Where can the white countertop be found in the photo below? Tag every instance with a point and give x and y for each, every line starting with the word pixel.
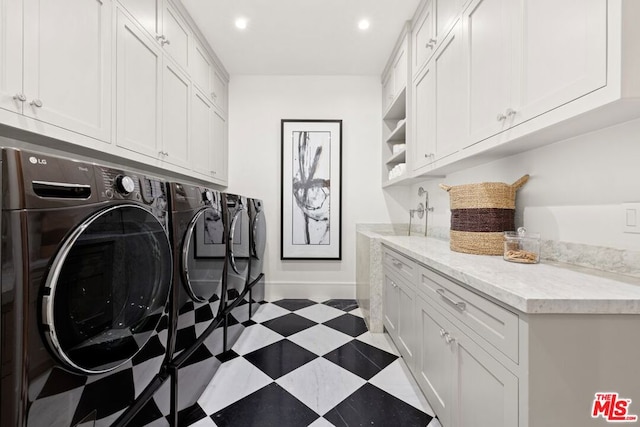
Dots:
pixel 529 288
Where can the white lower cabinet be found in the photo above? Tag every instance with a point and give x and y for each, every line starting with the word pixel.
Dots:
pixel 461 375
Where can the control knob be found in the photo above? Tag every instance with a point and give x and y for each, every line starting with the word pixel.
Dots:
pixel 124 184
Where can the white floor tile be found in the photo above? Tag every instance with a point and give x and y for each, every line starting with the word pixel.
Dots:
pixel 205 422
pixel 434 423
pixel 267 312
pixel 357 312
pixel 320 339
pixel 255 337
pixel 319 312
pixel 320 384
pixel 382 341
pixel 321 422
pixel 396 380
pixel 233 381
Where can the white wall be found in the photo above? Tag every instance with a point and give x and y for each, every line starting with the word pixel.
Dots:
pixel 575 191
pixel 256 106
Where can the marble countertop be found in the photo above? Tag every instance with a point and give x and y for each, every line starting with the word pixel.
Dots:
pixel 530 288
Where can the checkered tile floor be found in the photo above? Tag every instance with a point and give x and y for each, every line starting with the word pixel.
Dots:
pixel 304 363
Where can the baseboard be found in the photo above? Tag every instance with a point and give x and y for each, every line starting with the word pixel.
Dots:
pixel 316 291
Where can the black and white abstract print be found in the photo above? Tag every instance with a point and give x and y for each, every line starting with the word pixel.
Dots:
pixel 311 186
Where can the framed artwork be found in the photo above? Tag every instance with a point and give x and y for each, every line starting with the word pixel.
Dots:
pixel 311 194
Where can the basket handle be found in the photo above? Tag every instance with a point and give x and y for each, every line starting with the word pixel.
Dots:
pixel 519 183
pixel 446 187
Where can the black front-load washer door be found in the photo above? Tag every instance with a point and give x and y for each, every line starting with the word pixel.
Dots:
pixel 106 289
pixel 202 258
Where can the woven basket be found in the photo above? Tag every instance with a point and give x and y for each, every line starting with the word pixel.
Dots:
pixel 480 213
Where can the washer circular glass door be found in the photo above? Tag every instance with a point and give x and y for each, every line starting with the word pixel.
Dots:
pixel 107 289
pixel 202 260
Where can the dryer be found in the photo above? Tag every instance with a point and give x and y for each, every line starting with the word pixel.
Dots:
pixel 86 270
pixel 258 241
pixel 198 236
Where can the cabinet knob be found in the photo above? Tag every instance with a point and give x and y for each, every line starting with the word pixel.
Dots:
pixel 511 112
pixel 442 332
pixel 36 103
pixel 213 172
pixel 165 41
pixel 20 97
pixel 501 117
pixel 431 43
pixel 448 338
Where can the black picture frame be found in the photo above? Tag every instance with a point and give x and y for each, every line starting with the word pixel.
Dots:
pixel 311 189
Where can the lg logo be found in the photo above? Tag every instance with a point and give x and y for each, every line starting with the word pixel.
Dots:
pixel 37 161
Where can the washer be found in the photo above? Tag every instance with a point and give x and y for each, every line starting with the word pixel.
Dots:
pixel 199 245
pixel 258 241
pixel 237 266
pixel 86 275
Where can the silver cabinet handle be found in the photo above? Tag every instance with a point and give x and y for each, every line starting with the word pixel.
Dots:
pixel 459 305
pixel 431 43
pixel 163 153
pixel 394 284
pixel 20 97
pixel 212 172
pixel 500 117
pixel 166 41
pixel 442 332
pixel 511 112
pixel 448 338
pixel 36 103
pixel 214 96
pixel 160 38
pixel 396 264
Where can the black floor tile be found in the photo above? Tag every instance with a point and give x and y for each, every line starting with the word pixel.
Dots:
pixel 294 304
pixel 227 356
pixel 60 381
pixel 118 387
pixel 190 415
pixel 280 358
pixel 271 406
pixel 204 314
pixel 201 353
pixel 360 358
pixel 348 324
pixel 289 324
pixel 371 406
pixel 342 304
pixel 185 337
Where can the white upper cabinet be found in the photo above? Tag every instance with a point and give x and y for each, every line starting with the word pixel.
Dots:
pixel 220 90
pixel 138 89
pixel 529 57
pixel 55 67
pixel 564 53
pixel 202 133
pixel 175 115
pixel 423 37
pixel 11 55
pixel 160 19
pixel 489 36
pixel 220 148
pixel 201 69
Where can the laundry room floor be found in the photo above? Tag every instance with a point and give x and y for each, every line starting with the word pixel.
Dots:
pixel 303 363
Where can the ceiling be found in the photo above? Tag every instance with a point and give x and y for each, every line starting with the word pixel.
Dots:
pixel 302 37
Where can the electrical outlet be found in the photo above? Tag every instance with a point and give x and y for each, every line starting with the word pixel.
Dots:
pixel 631 218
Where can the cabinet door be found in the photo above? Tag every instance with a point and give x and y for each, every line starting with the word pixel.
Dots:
pixel 220 89
pixel 177 36
pixel 406 323
pixel 445 14
pixel 67 64
pixel 201 69
pixel 487 391
pixel 202 133
pixel 564 53
pixel 387 91
pixel 147 13
pixel 11 55
pixel 424 117
pixel 450 93
pixel 175 115
pixel 488 33
pixel 400 68
pixel 220 147
pixel 424 43
pixel 138 89
pixel 390 307
pixel 434 364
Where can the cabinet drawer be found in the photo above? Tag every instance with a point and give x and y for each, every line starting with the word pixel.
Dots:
pixel 495 324
pixel 400 265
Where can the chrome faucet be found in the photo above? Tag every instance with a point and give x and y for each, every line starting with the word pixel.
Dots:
pixel 422 210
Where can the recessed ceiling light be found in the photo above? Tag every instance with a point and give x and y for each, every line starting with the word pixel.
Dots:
pixel 241 23
pixel 363 24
